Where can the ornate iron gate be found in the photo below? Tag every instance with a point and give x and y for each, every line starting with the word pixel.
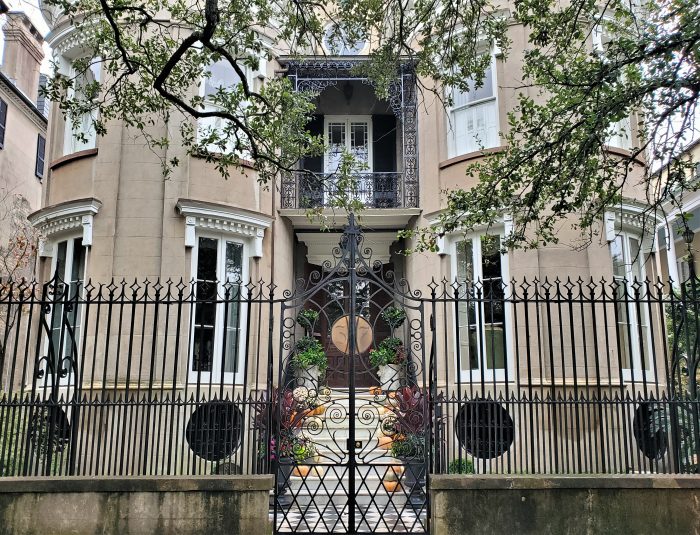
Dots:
pixel 350 418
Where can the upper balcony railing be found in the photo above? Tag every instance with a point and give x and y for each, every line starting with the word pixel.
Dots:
pixel 303 189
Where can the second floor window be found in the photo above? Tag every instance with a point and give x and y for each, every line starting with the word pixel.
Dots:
pixel 216 336
pixel 84 84
pixel 221 78
pixel 472 122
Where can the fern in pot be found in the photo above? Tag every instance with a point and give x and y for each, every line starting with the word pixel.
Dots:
pixel 389 357
pixel 309 362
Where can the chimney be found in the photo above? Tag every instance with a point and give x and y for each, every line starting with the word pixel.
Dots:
pixel 23 53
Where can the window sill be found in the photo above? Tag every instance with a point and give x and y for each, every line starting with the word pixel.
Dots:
pixel 72 157
pixel 217 156
pixel 469 156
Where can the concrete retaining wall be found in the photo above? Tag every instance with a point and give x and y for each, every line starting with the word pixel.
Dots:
pixel 633 504
pixel 135 505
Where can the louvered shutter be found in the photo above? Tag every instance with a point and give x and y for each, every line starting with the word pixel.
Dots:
pixel 3 122
pixel 40 150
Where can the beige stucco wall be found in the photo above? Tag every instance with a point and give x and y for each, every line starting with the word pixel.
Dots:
pixel 18 157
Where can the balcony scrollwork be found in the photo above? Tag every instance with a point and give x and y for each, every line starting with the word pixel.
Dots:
pixel 304 189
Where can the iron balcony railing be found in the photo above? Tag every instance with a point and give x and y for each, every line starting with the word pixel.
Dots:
pixel 304 189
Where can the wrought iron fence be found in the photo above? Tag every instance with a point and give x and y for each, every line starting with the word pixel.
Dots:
pixel 303 189
pixel 565 377
pixel 175 378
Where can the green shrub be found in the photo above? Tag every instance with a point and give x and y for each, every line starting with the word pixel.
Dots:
pixel 389 351
pixel 409 447
pixel 394 316
pixel 307 318
pixel 308 353
pixel 461 466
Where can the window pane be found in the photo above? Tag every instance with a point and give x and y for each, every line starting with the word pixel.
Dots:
pixel 205 308
pixel 359 143
pixel 206 259
pixel 618 257
pixel 494 302
pixel 474 94
pixel 222 76
pixel 473 128
pixel 336 146
pixel 57 312
pixel 234 274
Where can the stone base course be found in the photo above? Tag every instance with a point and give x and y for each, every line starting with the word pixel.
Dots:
pixel 135 505
pixel 562 505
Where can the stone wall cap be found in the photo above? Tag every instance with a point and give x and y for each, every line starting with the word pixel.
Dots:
pixel 546 482
pixel 136 484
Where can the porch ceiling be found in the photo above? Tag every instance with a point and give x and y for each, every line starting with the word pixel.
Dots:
pixel 320 245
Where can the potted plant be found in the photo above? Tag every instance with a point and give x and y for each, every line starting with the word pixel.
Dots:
pixel 309 362
pixel 394 317
pixel 287 417
pixel 303 451
pixel 409 423
pixel 307 319
pixel 388 357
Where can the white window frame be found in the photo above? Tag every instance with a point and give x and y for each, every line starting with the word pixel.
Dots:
pixel 65 278
pixel 637 372
pixel 463 369
pixel 619 134
pixel 71 144
pixel 348 120
pixel 214 377
pixel 452 151
pixel 216 122
pixel 344 50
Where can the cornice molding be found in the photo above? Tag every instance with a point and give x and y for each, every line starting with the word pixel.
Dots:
pixel 223 218
pixel 55 220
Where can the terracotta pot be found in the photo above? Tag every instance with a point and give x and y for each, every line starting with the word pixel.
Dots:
pixel 317 411
pixel 384 443
pixel 390 486
pixel 301 470
pixel 397 470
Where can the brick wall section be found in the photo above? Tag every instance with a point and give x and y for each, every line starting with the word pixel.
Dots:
pixel 627 504
pixel 209 505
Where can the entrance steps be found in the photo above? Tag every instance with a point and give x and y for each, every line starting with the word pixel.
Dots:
pixel 329 433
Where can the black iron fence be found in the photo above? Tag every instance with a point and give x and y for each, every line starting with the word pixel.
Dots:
pixel 565 377
pixel 175 378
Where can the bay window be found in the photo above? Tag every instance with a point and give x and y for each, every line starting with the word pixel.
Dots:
pixel 482 315
pixel 221 78
pixel 473 116
pixel 217 344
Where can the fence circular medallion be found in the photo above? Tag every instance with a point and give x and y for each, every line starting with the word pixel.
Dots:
pixel 648 428
pixel 340 334
pixel 214 430
pixel 484 428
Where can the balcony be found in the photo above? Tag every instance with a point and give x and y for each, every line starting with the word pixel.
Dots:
pixel 381 133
